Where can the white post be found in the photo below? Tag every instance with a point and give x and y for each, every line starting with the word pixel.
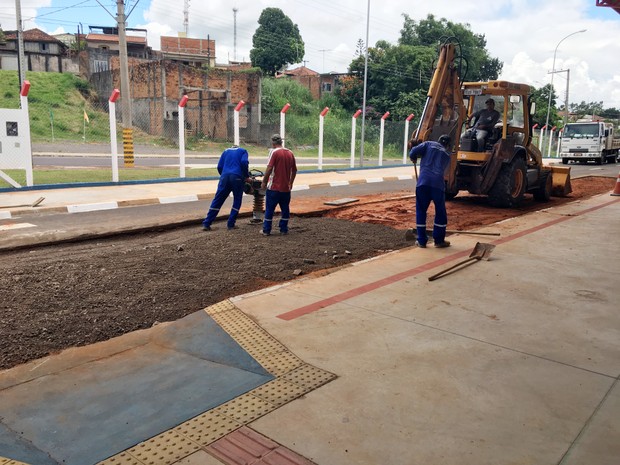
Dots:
pixel 23 97
pixel 113 144
pixel 550 141
pixel 540 138
pixel 182 104
pixel 557 152
pixel 283 122
pixel 236 121
pixel 381 132
pixel 353 124
pixel 405 154
pixel 321 120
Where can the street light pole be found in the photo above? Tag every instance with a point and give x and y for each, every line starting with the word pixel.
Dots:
pixel 553 72
pixel 365 85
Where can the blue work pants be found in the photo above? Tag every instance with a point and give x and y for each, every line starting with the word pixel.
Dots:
pixel 228 183
pixel 423 197
pixel 273 199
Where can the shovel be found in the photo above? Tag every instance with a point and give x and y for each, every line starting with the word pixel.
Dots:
pixel 481 252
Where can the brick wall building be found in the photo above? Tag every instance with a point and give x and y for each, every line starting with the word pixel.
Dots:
pixel 156 88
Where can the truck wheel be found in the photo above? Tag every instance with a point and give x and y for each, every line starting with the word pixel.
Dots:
pixel 600 161
pixel 543 193
pixel 565 161
pixel 509 186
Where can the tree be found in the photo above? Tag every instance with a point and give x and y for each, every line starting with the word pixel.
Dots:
pixel 276 42
pixel 430 32
pixel 399 75
pixel 540 96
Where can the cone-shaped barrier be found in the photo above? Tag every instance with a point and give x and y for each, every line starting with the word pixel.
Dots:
pixel 617 188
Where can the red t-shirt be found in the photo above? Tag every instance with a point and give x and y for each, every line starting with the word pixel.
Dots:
pixel 284 167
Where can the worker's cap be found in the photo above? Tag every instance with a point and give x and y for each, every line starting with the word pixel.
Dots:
pixel 444 140
pixel 490 100
pixel 276 139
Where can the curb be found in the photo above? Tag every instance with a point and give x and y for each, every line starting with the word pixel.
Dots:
pixel 111 205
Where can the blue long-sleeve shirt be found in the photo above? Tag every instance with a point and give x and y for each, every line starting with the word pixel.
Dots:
pixel 234 160
pixel 434 159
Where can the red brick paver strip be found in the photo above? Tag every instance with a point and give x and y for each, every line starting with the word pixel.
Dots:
pixel 247 447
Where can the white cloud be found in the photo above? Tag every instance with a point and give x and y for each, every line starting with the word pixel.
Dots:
pixel 521 33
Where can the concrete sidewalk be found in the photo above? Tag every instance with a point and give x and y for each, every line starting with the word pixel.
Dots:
pixel 514 360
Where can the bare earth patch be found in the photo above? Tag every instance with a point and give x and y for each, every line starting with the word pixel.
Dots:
pixel 66 295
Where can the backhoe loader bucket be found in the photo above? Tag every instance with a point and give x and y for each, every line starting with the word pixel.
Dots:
pixel 561 181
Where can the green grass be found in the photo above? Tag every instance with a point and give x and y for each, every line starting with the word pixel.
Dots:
pixel 94 175
pixel 57 102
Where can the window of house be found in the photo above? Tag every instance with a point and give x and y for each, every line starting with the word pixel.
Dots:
pixel 43 47
pixel 100 66
pixel 327 87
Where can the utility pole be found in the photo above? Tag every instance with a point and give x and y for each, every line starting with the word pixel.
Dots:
pixel 121 20
pixel 235 9
pixel 21 70
pixel 186 17
pixel 122 42
pixel 324 50
pixel 566 105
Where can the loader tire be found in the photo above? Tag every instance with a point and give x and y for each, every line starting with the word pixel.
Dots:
pixel 509 187
pixel 543 193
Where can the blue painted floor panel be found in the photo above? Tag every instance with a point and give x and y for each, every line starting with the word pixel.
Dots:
pixel 90 412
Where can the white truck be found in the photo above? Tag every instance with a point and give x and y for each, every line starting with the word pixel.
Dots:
pixel 589 140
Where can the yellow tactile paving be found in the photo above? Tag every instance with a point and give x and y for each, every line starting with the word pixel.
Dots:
pixel 246 408
pixel 309 377
pixel 279 392
pixel 5 461
pixel 124 458
pixel 208 427
pixel 163 449
pixel 294 378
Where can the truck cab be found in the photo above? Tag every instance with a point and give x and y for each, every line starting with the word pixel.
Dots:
pixel 589 141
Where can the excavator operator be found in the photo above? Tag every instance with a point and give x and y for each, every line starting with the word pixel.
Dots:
pixel 485 120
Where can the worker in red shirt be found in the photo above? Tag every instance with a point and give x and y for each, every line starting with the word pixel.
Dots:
pixel 278 180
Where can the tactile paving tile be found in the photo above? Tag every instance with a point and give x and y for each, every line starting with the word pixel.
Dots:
pixel 277 363
pixel 5 461
pixel 278 392
pixel 222 306
pixel 309 377
pixel 164 449
pixel 207 428
pixel 235 322
pixel 245 408
pixel 124 458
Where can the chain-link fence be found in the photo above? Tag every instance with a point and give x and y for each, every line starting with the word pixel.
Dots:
pixel 71 133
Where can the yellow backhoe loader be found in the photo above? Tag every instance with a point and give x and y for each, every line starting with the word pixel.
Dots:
pixel 505 165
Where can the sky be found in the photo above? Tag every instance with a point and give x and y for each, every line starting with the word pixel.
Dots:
pixel 524 34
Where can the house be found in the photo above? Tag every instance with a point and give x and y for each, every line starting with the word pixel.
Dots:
pixel 191 52
pixel 42 52
pixel 102 42
pixel 317 84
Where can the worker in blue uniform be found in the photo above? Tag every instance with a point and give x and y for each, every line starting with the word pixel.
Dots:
pixel 233 167
pixel 430 187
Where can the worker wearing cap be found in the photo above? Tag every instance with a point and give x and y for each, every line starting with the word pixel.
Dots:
pixel 233 167
pixel 278 180
pixel 430 187
pixel 485 120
